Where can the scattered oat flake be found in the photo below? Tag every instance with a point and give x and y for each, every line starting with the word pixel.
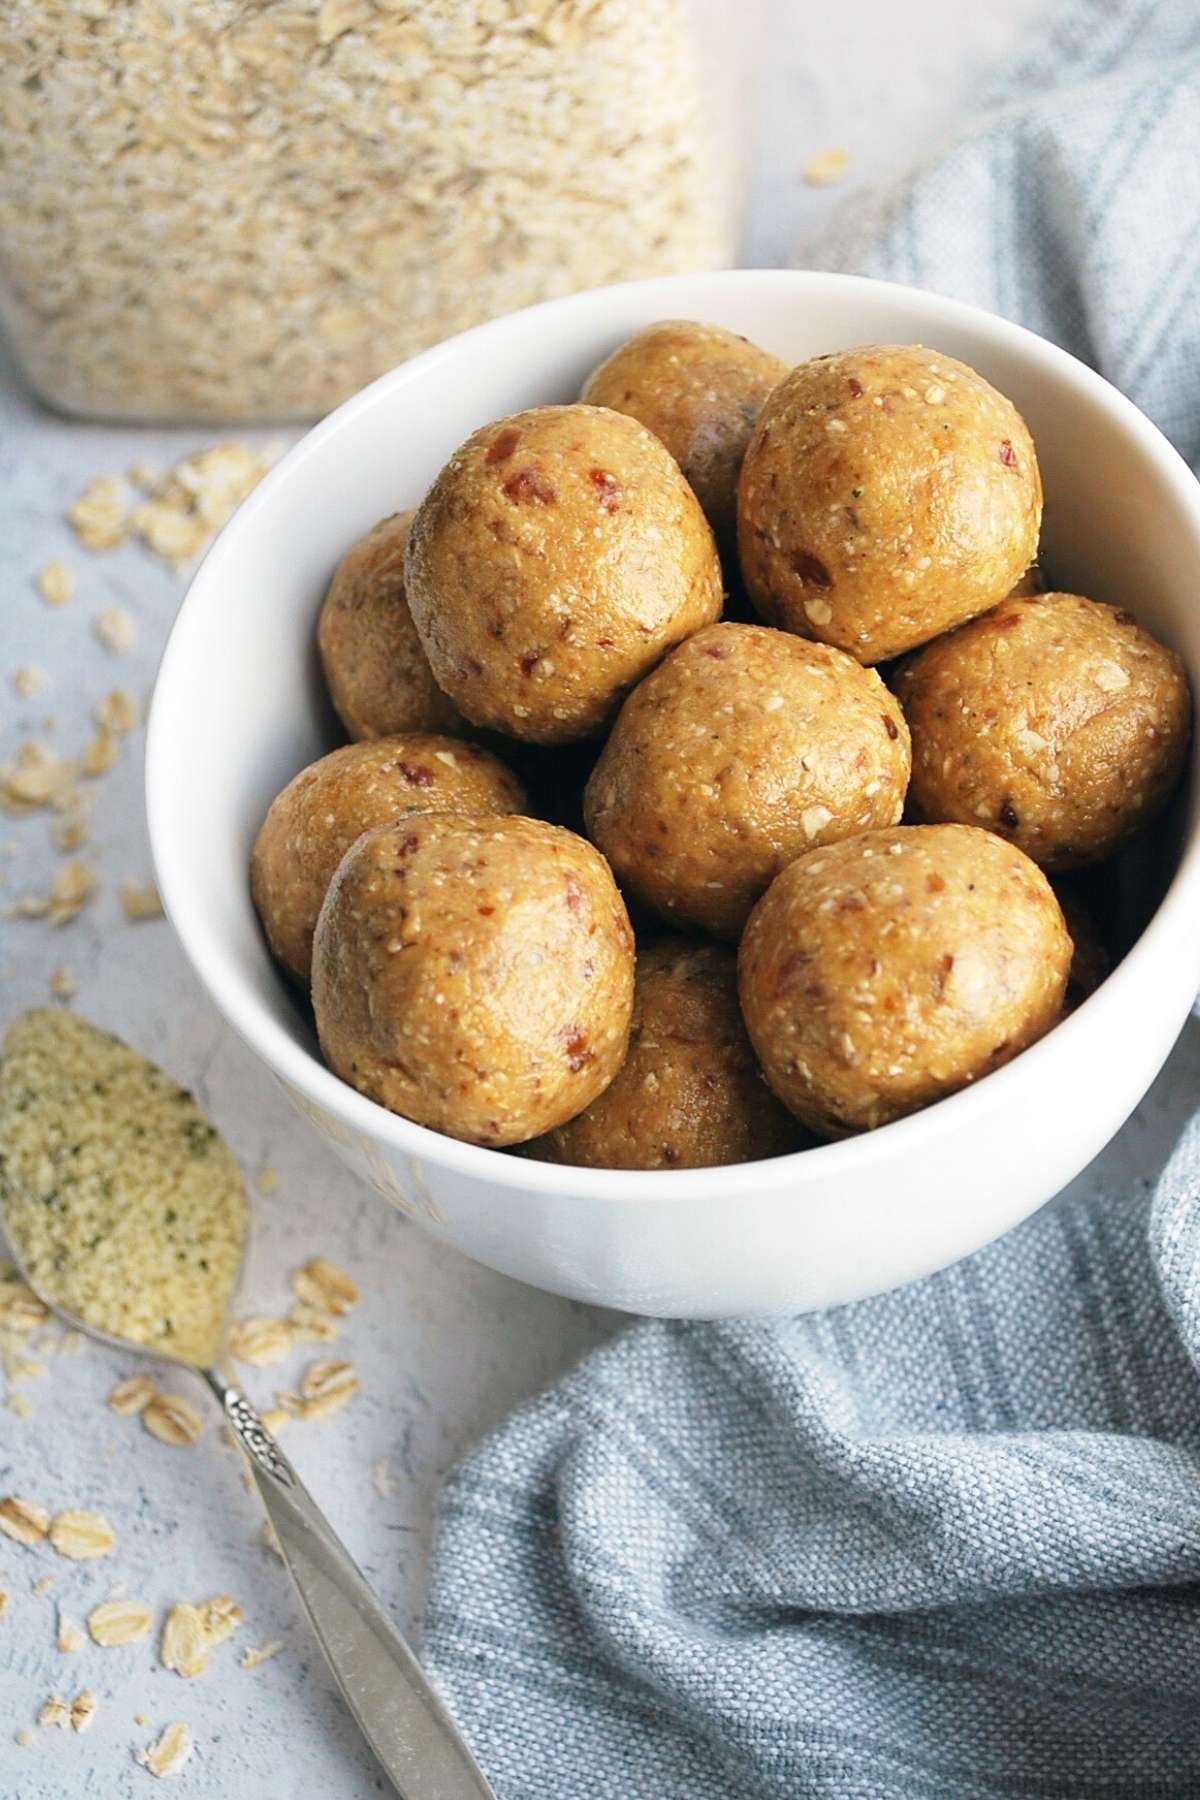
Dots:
pixel 23 1520
pixel 268 1180
pixel 3 1601
pixel 100 753
pixel 71 831
pixel 133 1393
pixel 55 1712
pixel 44 1582
pixel 312 1323
pixel 144 475
pixel 28 680
pixel 115 629
pixel 24 1737
pixel 56 583
pixel 323 1284
pixel 21 1405
pixel 260 1341
pixel 275 1418
pixel 382 1479
pixel 97 516
pixel 116 1622
pixel 36 777
pixel 81 1534
pixel 169 1754
pixel 63 984
pixel 73 886
pixel 250 1659
pixel 184 1644
pixel 172 1420
pixel 140 900
pixel 83 1710
pixel 70 1636
pixel 117 711
pixel 20 1309
pixel 188 506
pixel 826 167
pixel 327 1387
pixel 220 1618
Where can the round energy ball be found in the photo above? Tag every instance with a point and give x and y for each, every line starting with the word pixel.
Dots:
pixel 474 974
pixel 313 822
pixel 881 973
pixel 700 389
pixel 690 1094
pixel 557 557
pixel 887 494
pixel 1055 721
pixel 744 748
pixel 377 674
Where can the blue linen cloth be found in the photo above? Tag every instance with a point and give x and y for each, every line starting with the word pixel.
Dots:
pixel 943 1544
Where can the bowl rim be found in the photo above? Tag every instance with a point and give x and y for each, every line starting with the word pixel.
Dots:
pixel 855 1157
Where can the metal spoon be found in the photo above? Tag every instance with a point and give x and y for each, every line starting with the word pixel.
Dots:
pixel 401 1717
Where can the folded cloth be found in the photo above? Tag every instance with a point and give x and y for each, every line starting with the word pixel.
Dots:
pixel 943 1544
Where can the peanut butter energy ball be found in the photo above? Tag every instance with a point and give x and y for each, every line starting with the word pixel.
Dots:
pixel 377 674
pixel 700 389
pixel 557 557
pixel 887 494
pixel 690 1094
pixel 313 822
pixel 744 748
pixel 881 973
pixel 1054 720
pixel 474 974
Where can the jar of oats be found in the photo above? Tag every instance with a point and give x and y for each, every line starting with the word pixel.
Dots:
pixel 244 209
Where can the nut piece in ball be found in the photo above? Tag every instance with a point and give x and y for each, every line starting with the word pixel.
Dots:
pixel 887 494
pixel 690 1094
pixel 700 389
pixel 557 557
pixel 313 822
pixel 474 974
pixel 1054 720
pixel 743 749
pixel 377 674
pixel 884 972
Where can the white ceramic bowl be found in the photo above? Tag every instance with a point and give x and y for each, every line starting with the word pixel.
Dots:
pixel 238 709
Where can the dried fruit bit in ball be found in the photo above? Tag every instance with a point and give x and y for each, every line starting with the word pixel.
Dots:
pixel 887 494
pixel 744 748
pixel 1056 721
pixel 313 822
pixel 884 972
pixel 377 674
pixel 557 557
pixel 474 974
pixel 690 1094
pixel 700 389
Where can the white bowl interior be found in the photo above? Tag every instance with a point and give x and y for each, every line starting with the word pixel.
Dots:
pixel 239 707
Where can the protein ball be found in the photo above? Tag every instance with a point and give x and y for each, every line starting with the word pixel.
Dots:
pixel 690 1094
pixel 887 494
pixel 1055 720
pixel 884 972
pixel 377 674
pixel 557 557
pixel 474 974
pixel 313 822
pixel 744 748
pixel 700 389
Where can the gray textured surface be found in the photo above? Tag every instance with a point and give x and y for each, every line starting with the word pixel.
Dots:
pixel 444 1348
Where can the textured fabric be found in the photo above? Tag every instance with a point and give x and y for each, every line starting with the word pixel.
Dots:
pixel 941 1545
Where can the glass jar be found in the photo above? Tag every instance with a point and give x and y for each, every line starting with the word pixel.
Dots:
pixel 245 209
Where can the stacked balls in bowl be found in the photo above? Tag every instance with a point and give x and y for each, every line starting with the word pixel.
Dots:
pixel 637 857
